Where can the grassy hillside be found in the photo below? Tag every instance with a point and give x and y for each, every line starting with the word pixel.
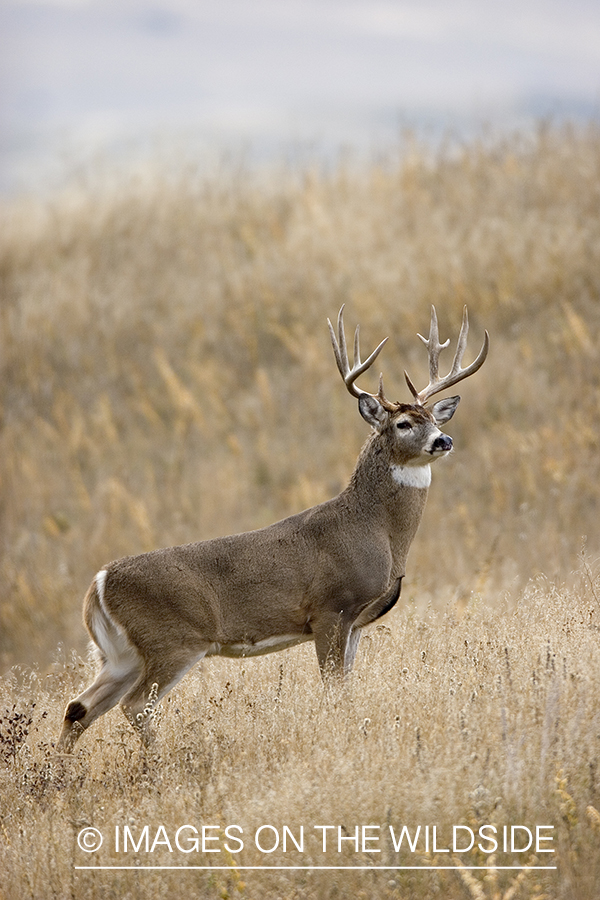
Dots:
pixel 167 373
pixel 166 376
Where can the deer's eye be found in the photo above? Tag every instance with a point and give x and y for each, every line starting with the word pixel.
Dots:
pixel 404 424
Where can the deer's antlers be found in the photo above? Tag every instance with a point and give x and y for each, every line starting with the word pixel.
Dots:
pixel 341 356
pixel 456 374
pixel 434 347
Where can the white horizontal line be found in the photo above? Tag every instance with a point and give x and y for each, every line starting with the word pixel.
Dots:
pixel 329 868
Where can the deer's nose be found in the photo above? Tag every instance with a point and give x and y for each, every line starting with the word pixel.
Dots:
pixel 442 444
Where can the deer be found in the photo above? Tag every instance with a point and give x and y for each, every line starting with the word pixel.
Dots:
pixel 320 575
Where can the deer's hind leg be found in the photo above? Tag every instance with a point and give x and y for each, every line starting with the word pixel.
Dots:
pixel 121 665
pixel 152 683
pixel 106 691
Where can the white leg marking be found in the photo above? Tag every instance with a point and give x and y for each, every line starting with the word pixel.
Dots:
pixel 351 648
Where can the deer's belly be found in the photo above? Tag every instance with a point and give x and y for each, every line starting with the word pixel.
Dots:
pixel 258 648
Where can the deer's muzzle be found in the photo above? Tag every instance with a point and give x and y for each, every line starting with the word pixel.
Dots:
pixel 442 444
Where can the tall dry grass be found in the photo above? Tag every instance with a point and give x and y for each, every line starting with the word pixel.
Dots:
pixel 491 719
pixel 167 376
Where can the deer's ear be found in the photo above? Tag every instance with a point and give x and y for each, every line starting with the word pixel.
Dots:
pixel 443 410
pixel 372 411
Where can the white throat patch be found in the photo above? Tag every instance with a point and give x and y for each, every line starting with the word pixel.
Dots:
pixel 412 476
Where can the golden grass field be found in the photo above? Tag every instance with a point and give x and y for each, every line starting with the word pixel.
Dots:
pixel 167 376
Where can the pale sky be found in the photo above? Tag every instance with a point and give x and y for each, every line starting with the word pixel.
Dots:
pixel 78 77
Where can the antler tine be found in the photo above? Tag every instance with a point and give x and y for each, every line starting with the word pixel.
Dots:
pixel 341 355
pixel 339 344
pixel 456 374
pixel 461 344
pixel 391 407
pixel 433 346
pixel 411 386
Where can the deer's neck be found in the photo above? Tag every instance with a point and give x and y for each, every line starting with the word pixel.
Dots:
pixel 391 498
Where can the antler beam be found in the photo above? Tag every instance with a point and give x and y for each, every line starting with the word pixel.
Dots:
pixel 456 374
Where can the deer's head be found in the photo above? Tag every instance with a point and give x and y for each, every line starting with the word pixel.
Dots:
pixel 410 431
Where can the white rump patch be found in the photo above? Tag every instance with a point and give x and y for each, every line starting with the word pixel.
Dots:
pixel 412 476
pixel 120 654
pixel 100 585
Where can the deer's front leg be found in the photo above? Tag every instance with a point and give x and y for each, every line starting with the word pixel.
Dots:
pixel 337 634
pixel 335 644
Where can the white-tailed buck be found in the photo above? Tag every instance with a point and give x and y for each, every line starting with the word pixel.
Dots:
pixel 320 575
